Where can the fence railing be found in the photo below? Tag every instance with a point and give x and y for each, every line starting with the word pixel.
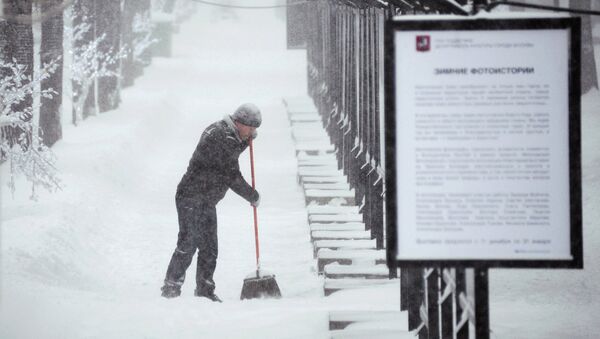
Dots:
pixel 345 54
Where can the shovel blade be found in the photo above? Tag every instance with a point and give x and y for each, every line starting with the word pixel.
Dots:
pixel 260 287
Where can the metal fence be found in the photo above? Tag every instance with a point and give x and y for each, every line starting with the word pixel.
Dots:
pixel 344 42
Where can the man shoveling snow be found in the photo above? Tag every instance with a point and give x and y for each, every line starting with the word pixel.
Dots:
pixel 213 169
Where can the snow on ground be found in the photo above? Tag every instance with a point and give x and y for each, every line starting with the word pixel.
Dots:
pixel 88 262
pixel 558 303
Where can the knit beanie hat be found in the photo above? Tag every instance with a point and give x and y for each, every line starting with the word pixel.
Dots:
pixel 247 114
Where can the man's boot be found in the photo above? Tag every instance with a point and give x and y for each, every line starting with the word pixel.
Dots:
pixel 170 291
pixel 210 295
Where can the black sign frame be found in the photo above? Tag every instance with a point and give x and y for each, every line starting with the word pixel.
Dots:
pixel 574 75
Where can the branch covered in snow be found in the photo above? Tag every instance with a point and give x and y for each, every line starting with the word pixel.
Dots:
pixel 16 86
pixel 89 63
pixel 21 143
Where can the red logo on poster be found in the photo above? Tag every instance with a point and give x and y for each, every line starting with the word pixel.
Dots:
pixel 423 43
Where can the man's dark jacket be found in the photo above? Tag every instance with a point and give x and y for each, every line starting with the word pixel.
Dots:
pixel 214 166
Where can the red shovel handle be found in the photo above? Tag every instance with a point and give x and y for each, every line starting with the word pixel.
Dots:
pixel 254 207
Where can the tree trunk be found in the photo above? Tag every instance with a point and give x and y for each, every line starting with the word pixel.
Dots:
pixel 4 43
pixel 52 48
pixel 589 78
pixel 128 63
pixel 144 9
pixel 108 22
pixel 19 46
pixel 83 9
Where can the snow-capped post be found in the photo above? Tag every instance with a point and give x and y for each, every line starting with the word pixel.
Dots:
pixel 51 48
pixel 447 292
pixel 463 311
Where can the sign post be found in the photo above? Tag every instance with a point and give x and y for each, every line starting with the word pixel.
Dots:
pixel 483 144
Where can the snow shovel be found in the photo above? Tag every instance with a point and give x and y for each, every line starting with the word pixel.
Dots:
pixel 258 284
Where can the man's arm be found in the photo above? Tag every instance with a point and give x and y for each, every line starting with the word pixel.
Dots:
pixel 221 153
pixel 239 185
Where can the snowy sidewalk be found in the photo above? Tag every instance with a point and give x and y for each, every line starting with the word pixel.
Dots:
pixel 89 261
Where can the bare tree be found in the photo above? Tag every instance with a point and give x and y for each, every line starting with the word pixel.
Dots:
pixel 51 48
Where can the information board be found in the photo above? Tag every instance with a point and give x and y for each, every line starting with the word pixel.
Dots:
pixel 483 142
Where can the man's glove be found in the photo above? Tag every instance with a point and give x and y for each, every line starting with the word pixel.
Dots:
pixel 257 201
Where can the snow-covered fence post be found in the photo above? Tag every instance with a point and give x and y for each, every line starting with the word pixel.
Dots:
pixel 411 295
pixel 482 314
pixel 447 290
pixel 420 305
pixel 432 282
pixel 464 307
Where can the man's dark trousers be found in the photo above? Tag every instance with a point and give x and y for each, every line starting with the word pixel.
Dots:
pixel 197 230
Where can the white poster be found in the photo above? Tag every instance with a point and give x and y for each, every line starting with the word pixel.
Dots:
pixel 482 145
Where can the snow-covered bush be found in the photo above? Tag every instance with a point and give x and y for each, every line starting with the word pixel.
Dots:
pixel 89 63
pixel 21 144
